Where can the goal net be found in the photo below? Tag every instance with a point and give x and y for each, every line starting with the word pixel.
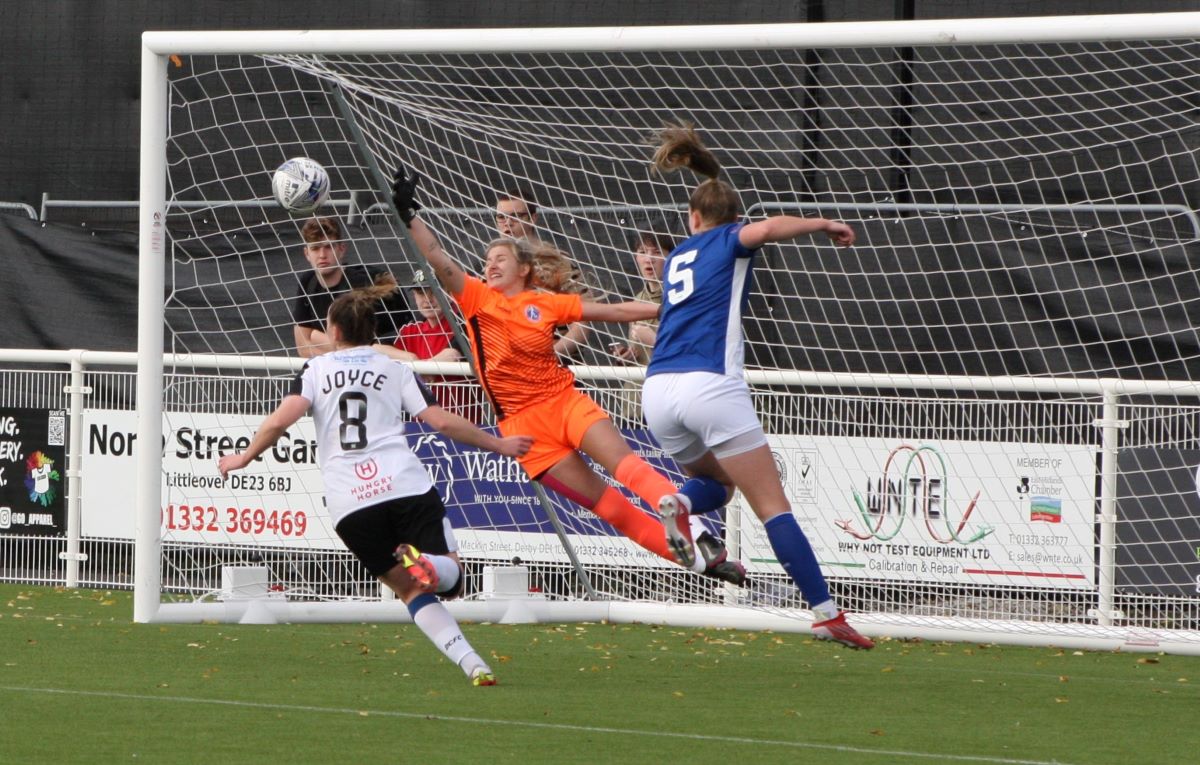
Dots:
pixel 984 413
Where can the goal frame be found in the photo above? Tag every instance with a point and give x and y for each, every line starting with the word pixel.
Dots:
pixel 158 47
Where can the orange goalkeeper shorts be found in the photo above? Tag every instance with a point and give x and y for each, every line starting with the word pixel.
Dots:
pixel 557 426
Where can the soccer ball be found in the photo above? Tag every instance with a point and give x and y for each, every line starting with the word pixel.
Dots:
pixel 300 185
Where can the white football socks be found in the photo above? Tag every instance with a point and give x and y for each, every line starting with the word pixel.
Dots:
pixel 825 611
pixel 447 569
pixel 697 526
pixel 440 627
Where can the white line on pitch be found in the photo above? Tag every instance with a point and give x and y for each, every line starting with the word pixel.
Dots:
pixel 529 724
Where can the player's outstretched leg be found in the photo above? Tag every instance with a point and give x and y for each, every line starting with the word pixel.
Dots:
pixel 443 631
pixel 673 509
pixel 792 548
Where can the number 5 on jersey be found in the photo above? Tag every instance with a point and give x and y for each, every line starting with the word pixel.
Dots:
pixel 680 278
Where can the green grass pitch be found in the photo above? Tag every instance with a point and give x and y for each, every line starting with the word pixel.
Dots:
pixel 79 682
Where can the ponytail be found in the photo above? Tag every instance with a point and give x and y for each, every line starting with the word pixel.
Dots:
pixel 553 271
pixel 679 146
pixel 354 312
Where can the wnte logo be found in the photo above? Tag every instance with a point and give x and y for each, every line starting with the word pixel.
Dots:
pixel 908 489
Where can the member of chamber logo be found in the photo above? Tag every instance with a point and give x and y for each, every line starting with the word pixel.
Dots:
pixel 41 479
pixel 1044 495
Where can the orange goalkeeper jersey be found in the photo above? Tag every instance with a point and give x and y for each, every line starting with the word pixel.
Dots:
pixel 512 340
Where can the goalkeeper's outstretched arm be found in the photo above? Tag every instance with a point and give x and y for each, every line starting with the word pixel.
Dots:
pixel 446 270
pixel 404 188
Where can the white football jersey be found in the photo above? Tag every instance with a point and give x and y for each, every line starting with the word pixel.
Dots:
pixel 358 398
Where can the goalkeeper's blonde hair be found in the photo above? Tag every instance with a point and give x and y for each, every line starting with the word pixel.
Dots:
pixel 679 146
pixel 354 312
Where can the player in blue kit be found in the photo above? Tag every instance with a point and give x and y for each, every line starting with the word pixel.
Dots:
pixel 696 400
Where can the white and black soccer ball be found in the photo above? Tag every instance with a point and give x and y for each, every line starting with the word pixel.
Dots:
pixel 300 185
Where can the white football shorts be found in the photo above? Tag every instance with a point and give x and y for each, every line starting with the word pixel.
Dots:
pixel 691 413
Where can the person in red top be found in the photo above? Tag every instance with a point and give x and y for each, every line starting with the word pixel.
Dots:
pixel 432 339
pixel 433 336
pixel 511 328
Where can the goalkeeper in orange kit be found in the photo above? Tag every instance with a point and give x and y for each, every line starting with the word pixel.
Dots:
pixel 510 323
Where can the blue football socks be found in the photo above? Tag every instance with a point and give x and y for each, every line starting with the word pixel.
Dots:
pixel 796 554
pixel 706 494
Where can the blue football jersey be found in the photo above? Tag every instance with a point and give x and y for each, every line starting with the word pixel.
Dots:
pixel 706 284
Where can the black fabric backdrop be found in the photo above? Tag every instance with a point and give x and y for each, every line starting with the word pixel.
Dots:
pixel 65 287
pixel 70 91
pixel 901 308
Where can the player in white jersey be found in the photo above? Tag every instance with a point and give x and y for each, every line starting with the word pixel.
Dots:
pixel 380 498
pixel 696 400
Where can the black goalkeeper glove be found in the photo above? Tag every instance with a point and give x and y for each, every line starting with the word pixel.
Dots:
pixel 403 189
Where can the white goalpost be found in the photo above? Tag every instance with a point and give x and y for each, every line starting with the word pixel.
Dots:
pixel 986 413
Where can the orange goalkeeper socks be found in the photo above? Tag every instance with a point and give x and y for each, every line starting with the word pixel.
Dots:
pixel 643 480
pixel 613 508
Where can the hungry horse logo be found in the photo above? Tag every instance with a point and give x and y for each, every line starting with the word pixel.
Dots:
pixel 366 470
pixel 39 474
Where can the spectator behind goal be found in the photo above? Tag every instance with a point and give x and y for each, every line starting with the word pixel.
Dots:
pixel 431 337
pixel 325 250
pixel 650 250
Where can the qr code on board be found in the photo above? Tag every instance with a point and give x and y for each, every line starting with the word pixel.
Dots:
pixel 56 429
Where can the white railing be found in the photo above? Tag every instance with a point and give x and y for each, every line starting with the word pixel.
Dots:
pixel 65 388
